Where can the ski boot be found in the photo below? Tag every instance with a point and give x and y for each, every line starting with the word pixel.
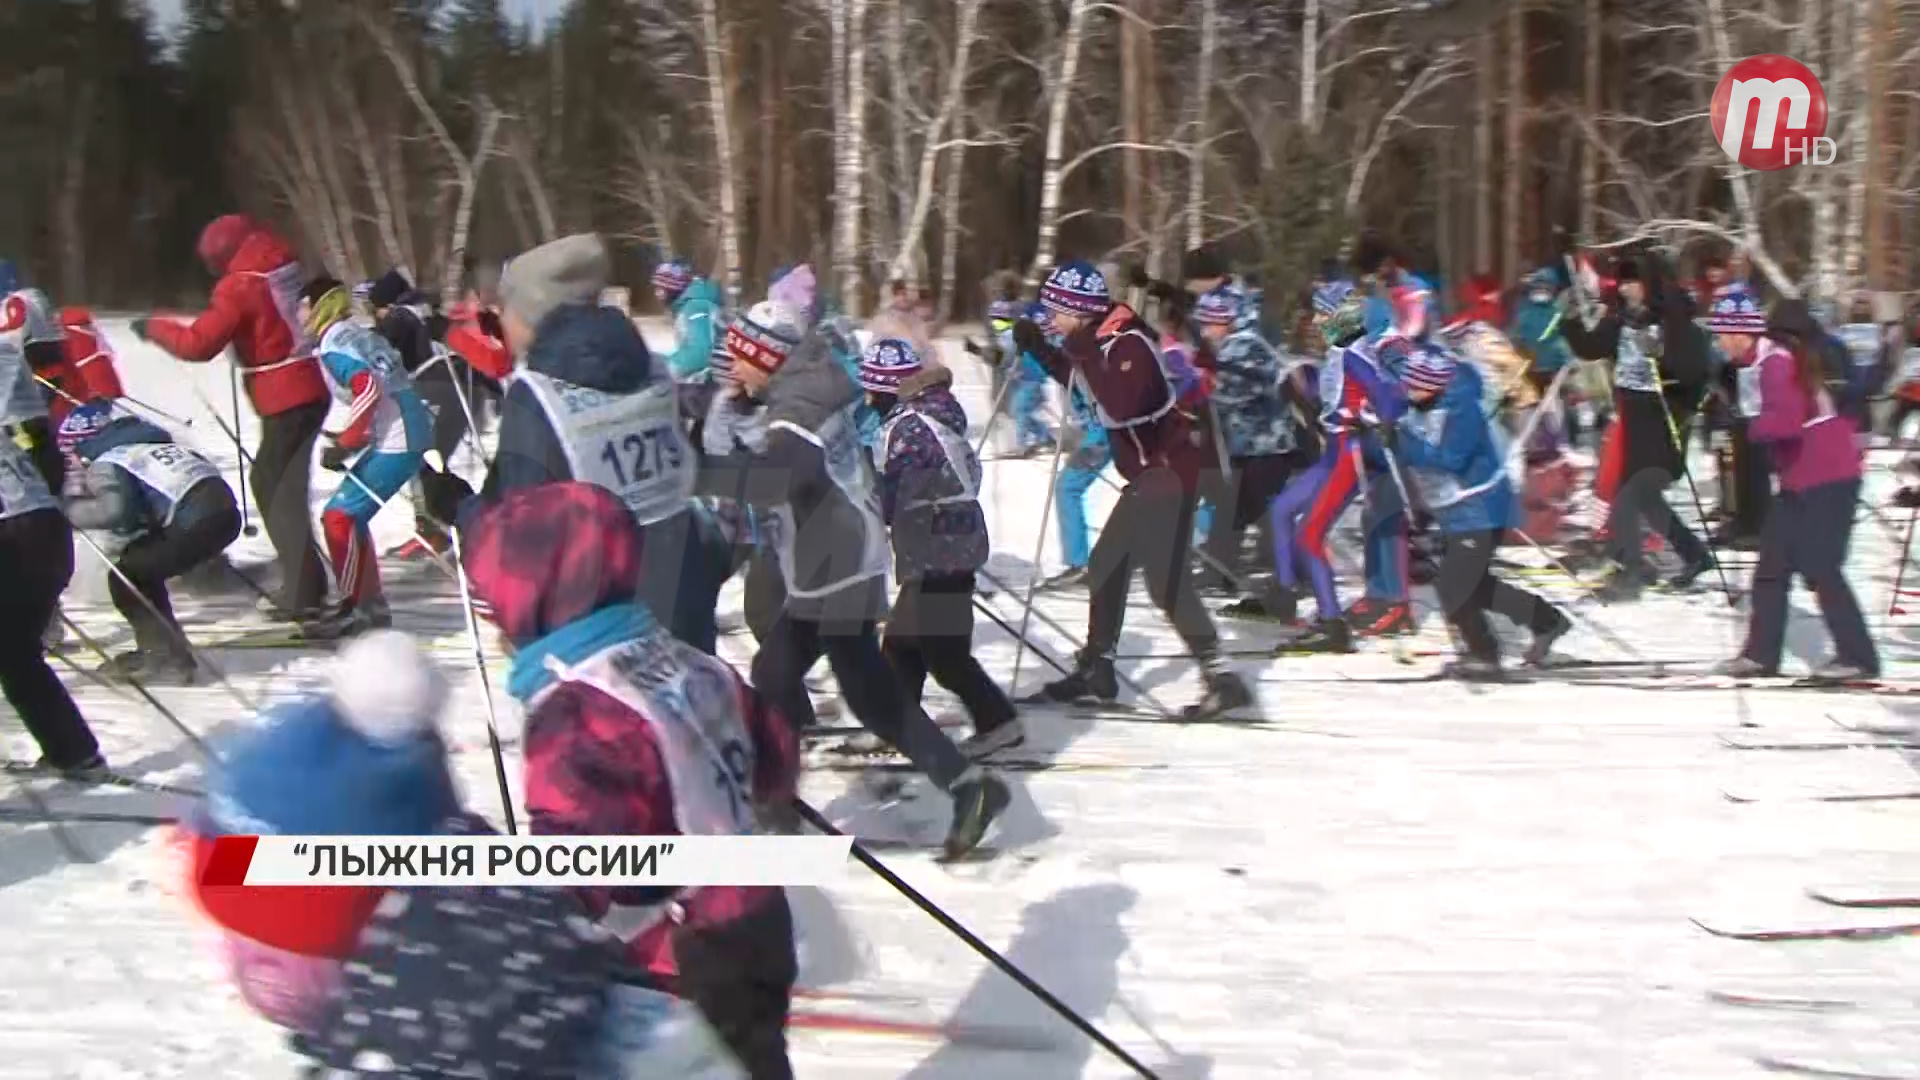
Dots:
pixel 1092 682
pixel 1278 605
pixel 1226 692
pixel 1321 636
pixel 1389 620
pixel 344 621
pixel 978 798
pixel 1475 669
pixel 1622 586
pixel 1005 735
pixel 1540 649
pixel 1690 573
pixel 54 639
pixel 1840 672
pixel 1071 577
pixel 169 669
pixel 1740 667
pixel 377 613
pixel 273 609
pixel 85 770
pixel 124 667
pixel 1361 611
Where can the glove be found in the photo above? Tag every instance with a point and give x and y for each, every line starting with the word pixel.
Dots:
pixel 140 326
pixel 334 457
pixel 1028 338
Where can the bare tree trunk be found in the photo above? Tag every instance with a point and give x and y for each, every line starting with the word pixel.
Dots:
pixel 1878 154
pixel 1861 132
pixel 1516 138
pixel 1133 89
pixel 325 217
pixel 1483 249
pixel 383 216
pixel 403 223
pixel 1436 72
pixel 526 164
pixel 1197 159
pixel 767 242
pixel 463 206
pixel 722 144
pixel 1751 236
pixel 1589 157
pixel 1310 67
pixel 915 269
pixel 1060 93
pixel 950 220
pixel 848 190
pixel 913 221
pixel 66 207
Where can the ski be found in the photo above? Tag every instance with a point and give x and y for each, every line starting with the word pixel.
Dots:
pixel 1781 742
pixel 1778 1001
pixel 959 1033
pixel 1119 713
pixel 1744 798
pixel 1869 932
pixel 906 846
pixel 1830 1071
pixel 28 816
pixel 1868 896
pixel 1891 731
pixel 33 770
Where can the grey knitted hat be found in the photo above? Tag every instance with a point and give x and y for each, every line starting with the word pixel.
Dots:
pixel 570 270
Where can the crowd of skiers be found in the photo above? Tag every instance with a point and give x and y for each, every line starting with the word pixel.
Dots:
pixel 822 460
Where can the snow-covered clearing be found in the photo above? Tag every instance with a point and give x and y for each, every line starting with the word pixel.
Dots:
pixel 1409 881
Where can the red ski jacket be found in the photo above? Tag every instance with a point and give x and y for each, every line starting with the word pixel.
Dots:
pixel 253 310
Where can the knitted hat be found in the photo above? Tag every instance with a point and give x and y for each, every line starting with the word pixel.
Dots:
pixel 671 278
pixel 550 555
pixel 886 364
pixel 1219 306
pixel 570 270
pixel 766 335
pixel 1076 289
pixel 387 289
pixel 1328 298
pixel 1427 372
pixel 1735 311
pixel 82 424
pixel 797 288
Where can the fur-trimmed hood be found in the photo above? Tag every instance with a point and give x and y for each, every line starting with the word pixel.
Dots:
pixel 930 378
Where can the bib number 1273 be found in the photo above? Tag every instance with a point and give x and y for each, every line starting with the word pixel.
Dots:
pixel 641 456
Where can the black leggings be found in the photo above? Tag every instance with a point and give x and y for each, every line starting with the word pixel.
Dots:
pixel 36 554
pixel 1469 590
pixel 930 632
pixel 282 473
pixel 206 521
pixel 1150 529
pixel 867 682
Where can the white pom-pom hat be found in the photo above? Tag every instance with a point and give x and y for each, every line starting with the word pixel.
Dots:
pixel 387 689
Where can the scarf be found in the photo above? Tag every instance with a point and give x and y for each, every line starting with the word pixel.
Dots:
pixel 574 643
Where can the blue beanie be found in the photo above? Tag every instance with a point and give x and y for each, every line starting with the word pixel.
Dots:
pixel 1076 289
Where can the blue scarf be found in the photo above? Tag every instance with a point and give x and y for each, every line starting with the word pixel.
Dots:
pixel 574 643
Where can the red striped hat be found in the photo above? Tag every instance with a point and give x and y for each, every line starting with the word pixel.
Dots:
pixel 765 336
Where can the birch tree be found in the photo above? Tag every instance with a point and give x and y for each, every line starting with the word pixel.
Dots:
pixel 849 21
pixel 952 102
pixel 729 224
pixel 1059 96
pixel 1197 126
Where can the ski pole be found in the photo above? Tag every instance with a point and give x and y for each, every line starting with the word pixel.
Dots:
pixel 191 735
pixel 1052 624
pixel 1039 548
pixel 486 684
pixel 985 951
pixel 247 527
pixel 1686 469
pixel 130 401
pixel 1012 633
pixel 1900 574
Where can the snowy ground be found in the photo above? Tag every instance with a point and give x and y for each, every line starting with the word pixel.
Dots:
pixel 1407 881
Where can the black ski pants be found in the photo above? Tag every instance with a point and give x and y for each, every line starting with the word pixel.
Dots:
pixel 205 522
pixel 867 682
pixel 740 975
pixel 930 632
pixel 1469 591
pixel 1807 534
pixel 36 556
pixel 281 479
pixel 1151 530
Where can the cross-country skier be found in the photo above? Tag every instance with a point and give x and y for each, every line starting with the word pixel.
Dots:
pixel 630 732
pixel 166 510
pixel 254 309
pixel 1087 456
pixel 698 319
pixel 386 436
pixel 1026 381
pixel 1257 429
pixel 1160 449
pixel 1659 362
pixel 36 555
pixel 30 344
pixel 813 482
pixel 1815 450
pixel 407 982
pixel 930 499
pixel 412 324
pixel 88 373
pixel 1452 448
pixel 590 403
